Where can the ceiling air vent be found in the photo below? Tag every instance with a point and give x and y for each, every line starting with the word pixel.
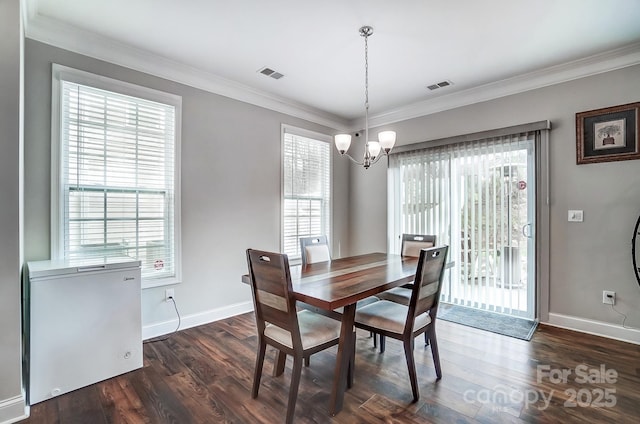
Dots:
pixel 439 85
pixel 270 73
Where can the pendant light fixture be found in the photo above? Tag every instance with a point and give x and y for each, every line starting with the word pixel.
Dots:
pixel 386 139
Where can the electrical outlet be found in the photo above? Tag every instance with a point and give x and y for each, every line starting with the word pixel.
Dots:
pixel 575 216
pixel 168 295
pixel 609 297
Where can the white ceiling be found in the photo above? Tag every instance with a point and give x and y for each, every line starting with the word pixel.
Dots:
pixel 486 48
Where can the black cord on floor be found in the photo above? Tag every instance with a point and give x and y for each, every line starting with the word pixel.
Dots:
pixel 175 306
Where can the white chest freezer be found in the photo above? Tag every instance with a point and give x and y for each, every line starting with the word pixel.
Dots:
pixel 83 323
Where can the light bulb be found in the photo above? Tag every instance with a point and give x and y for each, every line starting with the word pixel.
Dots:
pixel 387 140
pixel 343 141
pixel 374 149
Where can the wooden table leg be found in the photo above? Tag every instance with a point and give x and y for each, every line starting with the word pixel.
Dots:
pixel 342 361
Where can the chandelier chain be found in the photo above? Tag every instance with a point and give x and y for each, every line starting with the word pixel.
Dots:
pixel 366 93
pixel 366 72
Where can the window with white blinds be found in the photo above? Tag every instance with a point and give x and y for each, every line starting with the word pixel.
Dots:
pixel 116 172
pixel 306 187
pixel 474 196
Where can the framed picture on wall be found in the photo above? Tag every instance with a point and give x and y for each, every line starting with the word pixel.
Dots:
pixel 608 134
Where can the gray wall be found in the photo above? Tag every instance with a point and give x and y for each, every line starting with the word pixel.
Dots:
pixel 230 183
pixel 11 405
pixel 587 257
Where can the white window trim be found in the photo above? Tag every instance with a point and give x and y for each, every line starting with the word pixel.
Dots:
pixel 60 72
pixel 285 128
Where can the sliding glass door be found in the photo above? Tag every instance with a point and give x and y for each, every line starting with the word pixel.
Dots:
pixel 479 198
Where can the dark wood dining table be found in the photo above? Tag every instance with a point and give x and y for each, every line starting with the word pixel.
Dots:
pixel 342 283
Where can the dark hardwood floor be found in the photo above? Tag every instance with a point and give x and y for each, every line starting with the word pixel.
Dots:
pixel 204 375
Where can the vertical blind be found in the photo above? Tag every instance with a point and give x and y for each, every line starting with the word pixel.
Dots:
pixel 472 196
pixel 306 190
pixel 118 178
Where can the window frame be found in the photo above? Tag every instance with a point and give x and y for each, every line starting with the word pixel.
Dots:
pixel 289 129
pixel 63 73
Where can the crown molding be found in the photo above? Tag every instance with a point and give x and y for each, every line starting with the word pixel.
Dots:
pixel 58 34
pixel 609 61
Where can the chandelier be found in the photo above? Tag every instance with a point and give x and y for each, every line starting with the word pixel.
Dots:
pixel 386 139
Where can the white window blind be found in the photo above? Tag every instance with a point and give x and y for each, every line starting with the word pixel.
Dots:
pixel 471 196
pixel 117 193
pixel 306 188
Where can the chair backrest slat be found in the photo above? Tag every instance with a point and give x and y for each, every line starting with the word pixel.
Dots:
pixel 272 300
pixel 413 243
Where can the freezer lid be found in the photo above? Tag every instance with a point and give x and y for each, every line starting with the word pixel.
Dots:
pixel 75 266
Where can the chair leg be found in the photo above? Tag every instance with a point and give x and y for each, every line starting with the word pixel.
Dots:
pixel 307 361
pixel 257 374
pixel 382 343
pixel 293 389
pixel 375 338
pixel 426 339
pixel 434 351
pixel 281 359
pixel 411 366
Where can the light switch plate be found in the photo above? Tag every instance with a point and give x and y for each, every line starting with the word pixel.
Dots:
pixel 575 216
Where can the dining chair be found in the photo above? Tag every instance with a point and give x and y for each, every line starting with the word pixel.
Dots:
pixel 411 246
pixel 314 249
pixel 405 322
pixel 299 334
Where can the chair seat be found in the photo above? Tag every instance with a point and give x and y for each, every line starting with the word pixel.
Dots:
pixel 389 316
pixel 315 329
pixel 399 295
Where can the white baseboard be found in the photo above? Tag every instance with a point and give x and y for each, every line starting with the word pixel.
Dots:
pixel 13 409
pixel 188 321
pixel 597 328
